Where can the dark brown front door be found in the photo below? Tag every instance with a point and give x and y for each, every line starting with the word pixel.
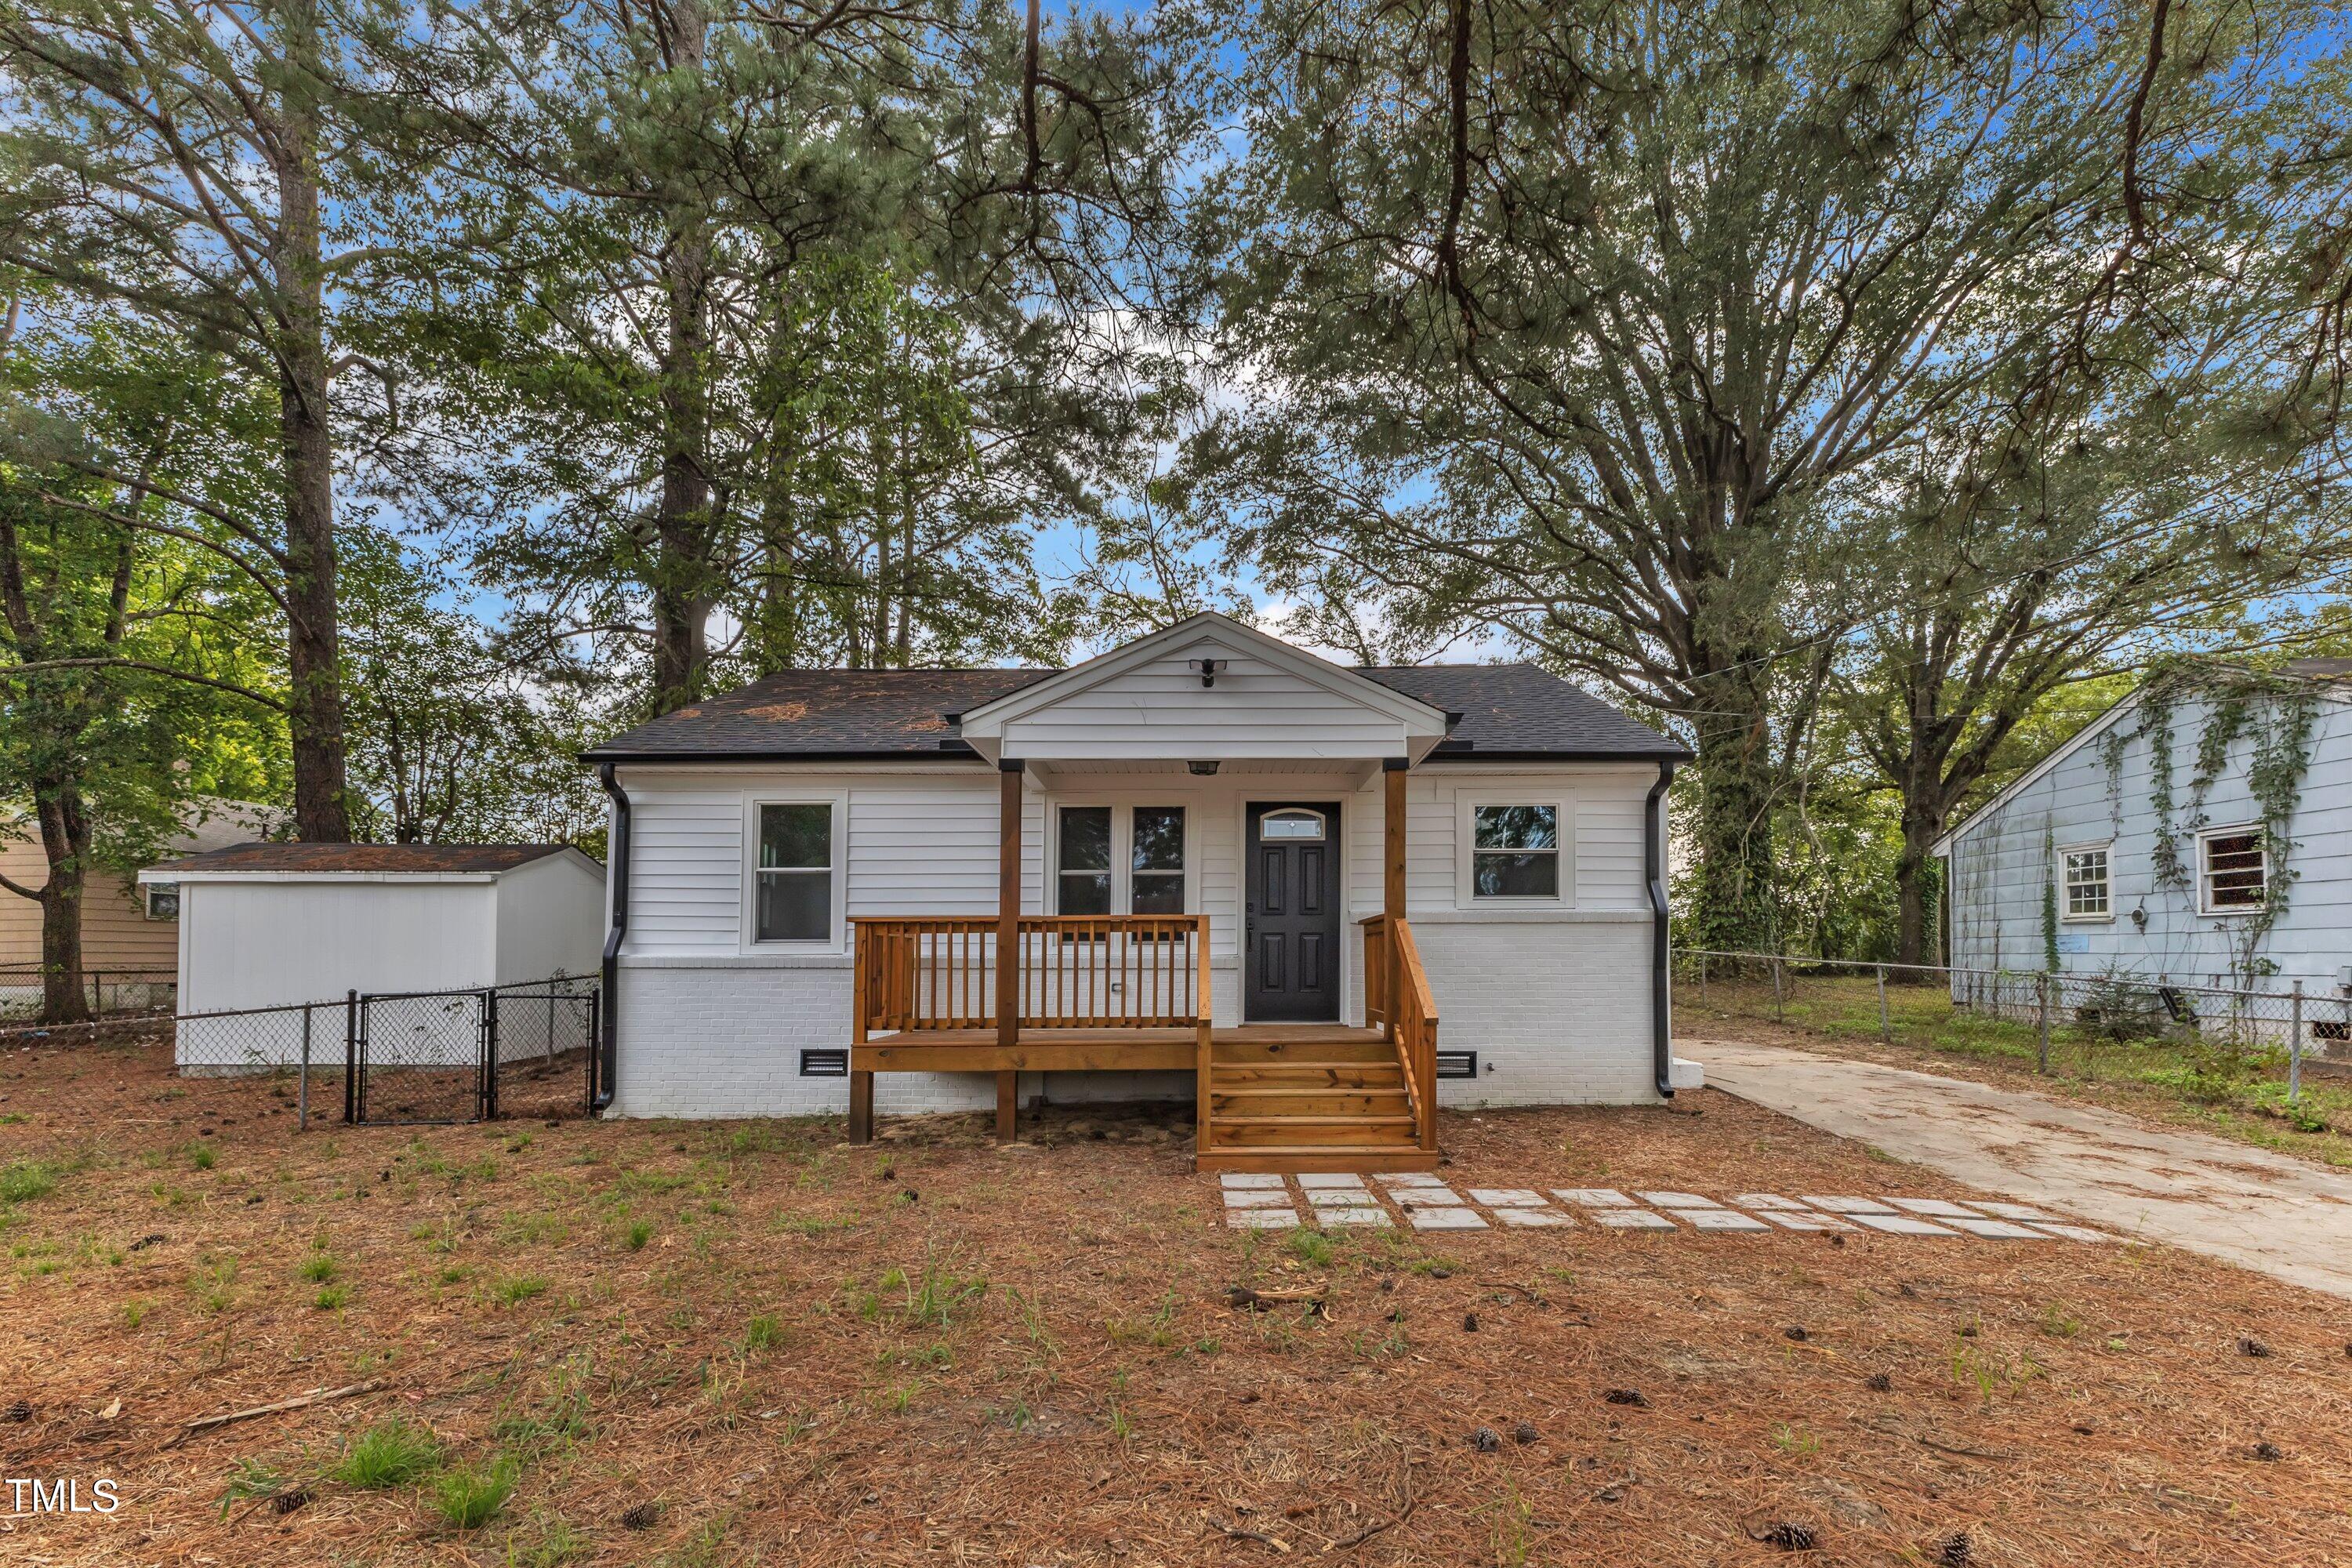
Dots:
pixel 1291 925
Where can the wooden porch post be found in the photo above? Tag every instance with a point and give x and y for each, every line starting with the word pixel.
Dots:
pixel 1008 942
pixel 1393 776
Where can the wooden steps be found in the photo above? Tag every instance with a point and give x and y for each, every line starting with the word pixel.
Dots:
pixel 1316 1100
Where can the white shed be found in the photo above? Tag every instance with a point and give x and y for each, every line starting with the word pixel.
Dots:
pixel 267 925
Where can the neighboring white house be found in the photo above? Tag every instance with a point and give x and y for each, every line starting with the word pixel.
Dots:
pixel 267 925
pixel 812 866
pixel 2076 855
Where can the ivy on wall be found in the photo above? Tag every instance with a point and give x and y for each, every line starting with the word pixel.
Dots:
pixel 2276 712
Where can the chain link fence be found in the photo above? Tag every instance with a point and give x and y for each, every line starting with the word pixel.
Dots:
pixel 105 992
pixel 158 1078
pixel 2285 1050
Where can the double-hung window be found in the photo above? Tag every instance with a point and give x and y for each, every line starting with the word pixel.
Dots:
pixel 2087 896
pixel 2232 871
pixel 162 900
pixel 1515 851
pixel 1127 859
pixel 792 898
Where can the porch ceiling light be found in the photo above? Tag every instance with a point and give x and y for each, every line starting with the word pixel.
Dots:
pixel 1205 770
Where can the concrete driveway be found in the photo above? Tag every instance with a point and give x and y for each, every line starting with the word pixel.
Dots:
pixel 2285 1216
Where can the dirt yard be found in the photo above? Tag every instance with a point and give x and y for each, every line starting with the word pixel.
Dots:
pixel 661 1343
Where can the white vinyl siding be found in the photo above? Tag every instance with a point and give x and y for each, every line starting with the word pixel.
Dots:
pixel 1159 709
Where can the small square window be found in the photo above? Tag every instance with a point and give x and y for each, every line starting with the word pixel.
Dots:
pixel 2086 891
pixel 793 897
pixel 162 900
pixel 1515 852
pixel 1085 865
pixel 2233 873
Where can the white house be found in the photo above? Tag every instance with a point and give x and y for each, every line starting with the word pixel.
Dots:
pixel 268 925
pixel 2232 866
pixel 1183 856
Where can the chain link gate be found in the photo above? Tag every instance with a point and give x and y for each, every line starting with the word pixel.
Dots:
pixel 416 1058
pixel 432 1057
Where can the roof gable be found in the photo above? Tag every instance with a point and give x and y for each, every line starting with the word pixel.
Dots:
pixel 1159 697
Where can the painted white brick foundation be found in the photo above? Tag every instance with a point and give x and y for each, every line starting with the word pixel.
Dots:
pixel 1557 1011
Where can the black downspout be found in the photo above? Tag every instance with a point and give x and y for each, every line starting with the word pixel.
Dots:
pixel 1661 1024
pixel 616 854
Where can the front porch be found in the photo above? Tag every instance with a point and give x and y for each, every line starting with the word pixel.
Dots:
pixel 1138 993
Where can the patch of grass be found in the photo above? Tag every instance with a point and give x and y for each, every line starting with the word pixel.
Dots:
pixel 469 1495
pixel 204 1158
pixel 318 1268
pixel 640 1231
pixel 1313 1247
pixel 22 1180
pixel 550 1541
pixel 331 1298
pixel 2059 1323
pixel 1795 1440
pixel 561 1421
pixel 763 1333
pixel 389 1454
pixel 247 1480
pixel 928 1300
pixel 519 1288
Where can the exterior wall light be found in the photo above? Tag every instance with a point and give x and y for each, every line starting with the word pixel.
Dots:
pixel 1202 770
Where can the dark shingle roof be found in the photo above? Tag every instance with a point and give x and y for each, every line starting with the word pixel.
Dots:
pixel 378 858
pixel 820 713
pixel 1518 710
pixel 1507 711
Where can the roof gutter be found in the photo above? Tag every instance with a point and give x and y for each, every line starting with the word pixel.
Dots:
pixel 1662 1026
pixel 608 1044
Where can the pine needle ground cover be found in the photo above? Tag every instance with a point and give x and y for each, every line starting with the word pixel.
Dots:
pixel 710 1345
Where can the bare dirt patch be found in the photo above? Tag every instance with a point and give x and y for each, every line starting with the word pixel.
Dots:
pixel 740 1342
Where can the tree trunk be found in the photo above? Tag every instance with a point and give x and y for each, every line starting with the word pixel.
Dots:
pixel 681 574
pixel 1732 912
pixel 65 843
pixel 1914 871
pixel 315 703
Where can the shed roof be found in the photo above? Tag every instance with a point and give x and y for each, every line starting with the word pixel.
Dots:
pixel 1505 711
pixel 377 859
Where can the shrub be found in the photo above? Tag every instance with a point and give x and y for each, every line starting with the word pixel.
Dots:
pixel 390 1454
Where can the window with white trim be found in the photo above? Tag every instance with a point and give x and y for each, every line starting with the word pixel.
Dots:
pixel 1515 851
pixel 2087 895
pixel 1108 858
pixel 792 898
pixel 2232 871
pixel 162 900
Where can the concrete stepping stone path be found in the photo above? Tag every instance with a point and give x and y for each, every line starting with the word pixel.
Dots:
pixel 1264 1202
pixel 1902 1225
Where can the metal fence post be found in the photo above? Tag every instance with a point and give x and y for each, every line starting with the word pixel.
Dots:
pixel 1886 1030
pixel 302 1090
pixel 2041 988
pixel 1702 978
pixel 2294 1046
pixel 351 1058
pixel 1778 1013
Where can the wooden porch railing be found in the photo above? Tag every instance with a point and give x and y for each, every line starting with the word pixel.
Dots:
pixel 1392 969
pixel 918 972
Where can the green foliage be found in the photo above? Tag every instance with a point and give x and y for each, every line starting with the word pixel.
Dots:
pixel 467 1497
pixel 390 1454
pixel 22 1180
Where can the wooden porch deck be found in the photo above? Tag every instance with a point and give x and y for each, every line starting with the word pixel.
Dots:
pixel 1063 1049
